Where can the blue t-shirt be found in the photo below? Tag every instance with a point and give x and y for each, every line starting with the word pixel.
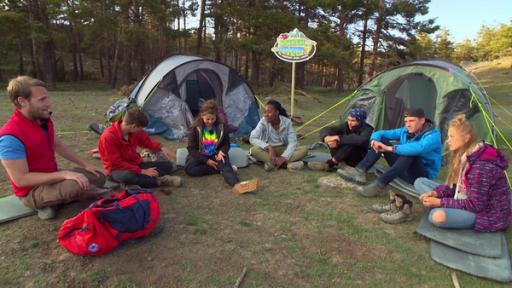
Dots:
pixel 11 148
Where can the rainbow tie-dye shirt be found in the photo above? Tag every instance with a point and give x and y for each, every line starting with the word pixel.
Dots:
pixel 210 140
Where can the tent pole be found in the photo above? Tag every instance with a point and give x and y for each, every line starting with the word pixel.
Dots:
pixel 293 89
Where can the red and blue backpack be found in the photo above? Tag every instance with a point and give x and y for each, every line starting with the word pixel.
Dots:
pixel 107 222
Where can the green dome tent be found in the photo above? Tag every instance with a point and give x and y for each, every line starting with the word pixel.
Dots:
pixel 442 89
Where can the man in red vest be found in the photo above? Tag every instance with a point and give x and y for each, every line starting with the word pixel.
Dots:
pixel 27 151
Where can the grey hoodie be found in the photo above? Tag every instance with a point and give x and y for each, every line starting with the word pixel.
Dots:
pixel 260 136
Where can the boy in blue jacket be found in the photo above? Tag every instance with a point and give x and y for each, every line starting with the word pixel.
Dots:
pixel 415 152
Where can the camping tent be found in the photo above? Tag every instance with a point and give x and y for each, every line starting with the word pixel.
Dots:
pixel 174 90
pixel 442 89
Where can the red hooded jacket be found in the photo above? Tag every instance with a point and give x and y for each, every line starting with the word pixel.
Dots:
pixel 119 154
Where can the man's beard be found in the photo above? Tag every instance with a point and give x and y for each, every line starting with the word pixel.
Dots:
pixel 38 114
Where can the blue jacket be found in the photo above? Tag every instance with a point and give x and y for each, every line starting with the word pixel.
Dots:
pixel 427 145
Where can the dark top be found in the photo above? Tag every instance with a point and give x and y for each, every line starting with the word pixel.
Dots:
pixel 359 136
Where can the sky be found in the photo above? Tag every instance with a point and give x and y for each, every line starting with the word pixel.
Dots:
pixel 464 18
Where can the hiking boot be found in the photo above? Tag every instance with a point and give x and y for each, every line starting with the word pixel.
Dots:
pixel 402 213
pixel 168 180
pixel 373 189
pixel 352 174
pixel 318 166
pixel 295 166
pixel 385 207
pixel 342 165
pixel 46 213
pixel 268 167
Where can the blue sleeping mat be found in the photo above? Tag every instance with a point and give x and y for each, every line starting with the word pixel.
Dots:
pixel 498 269
pixel 11 208
pixel 470 241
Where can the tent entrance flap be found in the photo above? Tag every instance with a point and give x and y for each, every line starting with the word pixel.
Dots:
pixel 406 91
pixel 200 86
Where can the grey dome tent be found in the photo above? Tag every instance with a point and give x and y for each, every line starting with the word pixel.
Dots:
pixel 174 90
pixel 442 89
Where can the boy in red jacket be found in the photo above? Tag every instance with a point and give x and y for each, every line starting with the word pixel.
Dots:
pixel 118 150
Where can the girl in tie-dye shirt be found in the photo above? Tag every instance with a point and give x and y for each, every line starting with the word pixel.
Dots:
pixel 208 146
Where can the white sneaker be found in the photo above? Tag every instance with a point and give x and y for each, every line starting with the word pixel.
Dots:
pixel 268 167
pixel 295 166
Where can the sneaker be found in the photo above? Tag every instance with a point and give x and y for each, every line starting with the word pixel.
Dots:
pixel 373 189
pixel 168 180
pixel 318 166
pixel 385 207
pixel 401 214
pixel 352 174
pixel 46 213
pixel 295 166
pixel 268 167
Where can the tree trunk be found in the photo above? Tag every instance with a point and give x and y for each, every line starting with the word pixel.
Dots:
pixel 299 75
pixel 80 64
pixel 272 75
pixel 113 81
pixel 376 37
pixel 100 56
pixel 344 20
pixel 363 51
pixel 255 71
pixel 200 28
pixel 21 65
pixel 246 65
pixel 74 55
pixel 127 57
pixel 36 68
pixel 127 65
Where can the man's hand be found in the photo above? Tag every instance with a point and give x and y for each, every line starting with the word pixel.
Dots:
pixel 151 172
pixel 93 169
pixel 212 164
pixel 220 157
pixel 332 144
pixel 279 161
pixel 170 154
pixel 82 181
pixel 431 202
pixel 386 148
pixel 376 145
pixel 328 139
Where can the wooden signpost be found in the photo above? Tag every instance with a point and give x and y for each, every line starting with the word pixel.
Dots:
pixel 294 47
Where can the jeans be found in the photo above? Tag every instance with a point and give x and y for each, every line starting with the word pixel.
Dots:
pixel 131 178
pixel 455 218
pixel 409 168
pixel 424 185
pixel 197 168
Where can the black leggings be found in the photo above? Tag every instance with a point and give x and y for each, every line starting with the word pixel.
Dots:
pixel 197 168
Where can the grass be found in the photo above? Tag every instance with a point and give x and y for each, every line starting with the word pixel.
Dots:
pixel 291 233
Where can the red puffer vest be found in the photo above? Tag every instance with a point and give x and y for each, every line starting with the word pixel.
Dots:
pixel 39 145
